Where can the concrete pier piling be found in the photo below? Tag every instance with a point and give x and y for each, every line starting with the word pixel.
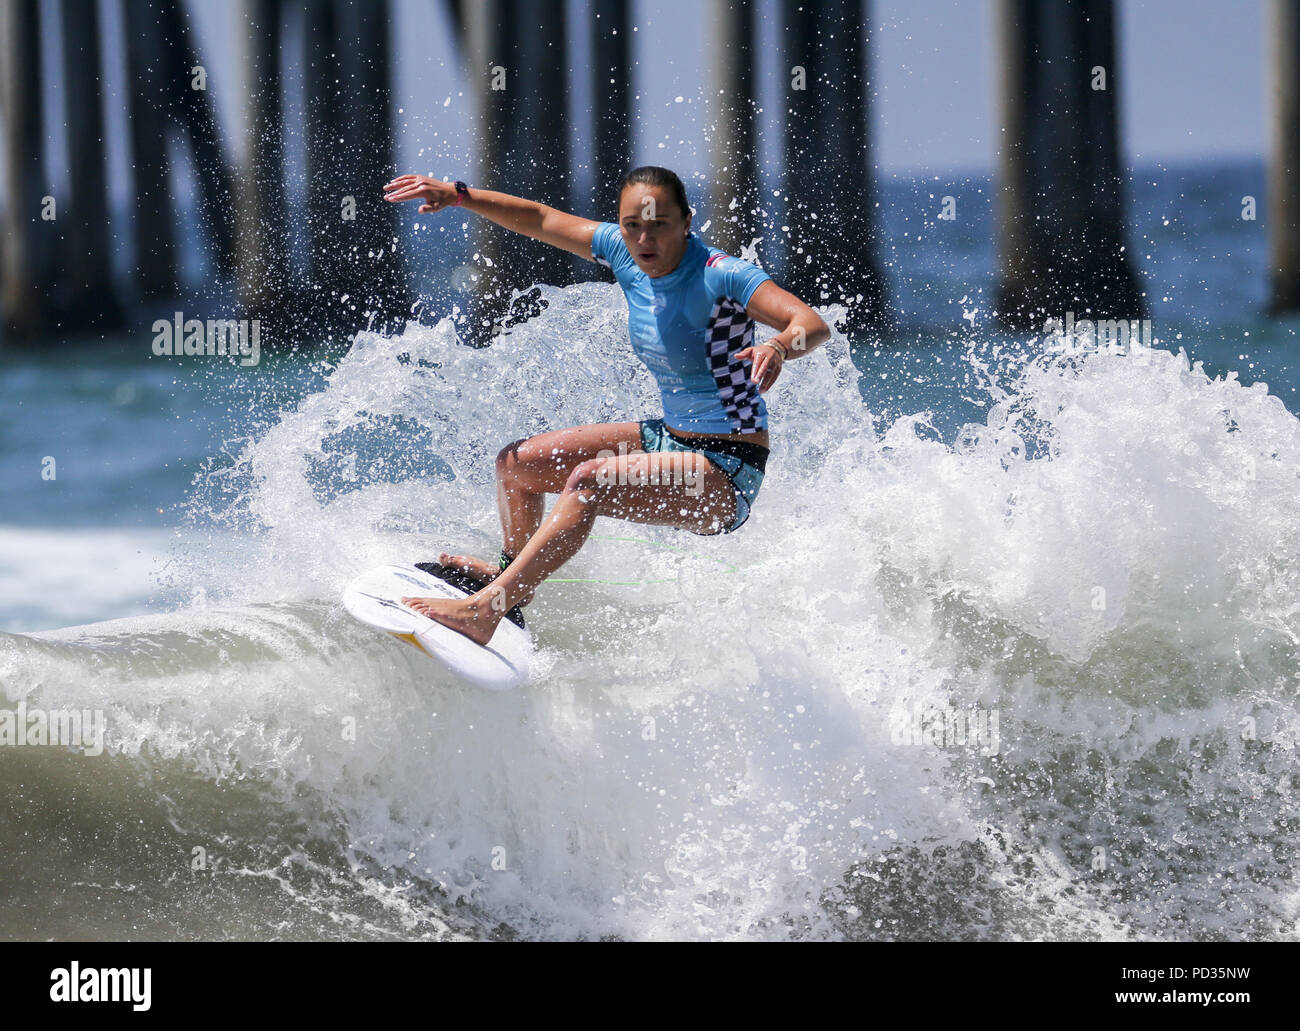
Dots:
pixel 611 85
pixel 29 256
pixel 194 118
pixel 1060 223
pixel 733 147
pixel 517 72
pixel 1284 166
pixel 828 182
pixel 374 270
pixel 323 98
pixel 89 296
pixel 153 235
pixel 262 231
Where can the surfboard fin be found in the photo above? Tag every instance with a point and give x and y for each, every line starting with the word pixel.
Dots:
pixel 472 584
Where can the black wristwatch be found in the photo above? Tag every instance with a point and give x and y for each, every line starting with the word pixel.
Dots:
pixel 462 194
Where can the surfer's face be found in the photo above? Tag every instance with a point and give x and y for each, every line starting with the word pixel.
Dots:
pixel 654 228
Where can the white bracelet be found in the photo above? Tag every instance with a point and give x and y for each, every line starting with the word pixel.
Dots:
pixel 777 347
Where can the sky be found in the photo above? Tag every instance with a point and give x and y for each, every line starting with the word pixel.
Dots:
pixel 1191 81
pixel 1191 78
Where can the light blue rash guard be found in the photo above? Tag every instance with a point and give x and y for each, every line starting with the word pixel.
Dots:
pixel 687 327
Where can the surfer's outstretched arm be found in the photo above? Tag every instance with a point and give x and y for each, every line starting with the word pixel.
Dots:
pixel 518 214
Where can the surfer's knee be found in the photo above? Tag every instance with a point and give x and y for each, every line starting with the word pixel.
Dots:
pixel 509 460
pixel 586 478
pixel 523 460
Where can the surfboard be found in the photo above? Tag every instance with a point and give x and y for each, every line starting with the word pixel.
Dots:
pixel 375 598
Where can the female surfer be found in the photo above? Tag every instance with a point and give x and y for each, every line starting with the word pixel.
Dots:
pixel 691 312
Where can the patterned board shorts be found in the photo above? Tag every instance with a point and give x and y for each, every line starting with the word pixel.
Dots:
pixel 742 463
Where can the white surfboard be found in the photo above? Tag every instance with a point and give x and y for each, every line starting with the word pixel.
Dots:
pixel 375 598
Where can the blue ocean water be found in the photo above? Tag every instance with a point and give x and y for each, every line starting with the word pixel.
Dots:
pixel 1094 557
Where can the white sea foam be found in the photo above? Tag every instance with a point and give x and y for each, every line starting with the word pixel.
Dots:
pixel 52 578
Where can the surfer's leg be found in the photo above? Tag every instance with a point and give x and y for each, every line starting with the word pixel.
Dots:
pixel 528 470
pixel 682 489
pixel 664 488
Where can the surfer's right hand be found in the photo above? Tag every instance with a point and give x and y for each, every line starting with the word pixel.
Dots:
pixel 434 193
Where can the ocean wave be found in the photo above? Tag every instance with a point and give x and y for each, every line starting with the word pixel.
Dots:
pixel 749 736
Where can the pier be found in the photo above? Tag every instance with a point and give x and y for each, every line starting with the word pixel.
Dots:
pixel 1060 223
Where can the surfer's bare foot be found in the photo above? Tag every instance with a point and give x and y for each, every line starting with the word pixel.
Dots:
pixel 477 622
pixel 477 568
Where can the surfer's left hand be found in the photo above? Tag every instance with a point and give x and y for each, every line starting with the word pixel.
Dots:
pixel 433 194
pixel 767 364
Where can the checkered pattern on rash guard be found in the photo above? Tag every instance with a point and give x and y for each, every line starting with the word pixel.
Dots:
pixel 731 330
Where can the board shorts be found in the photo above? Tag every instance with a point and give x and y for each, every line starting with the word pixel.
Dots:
pixel 742 463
